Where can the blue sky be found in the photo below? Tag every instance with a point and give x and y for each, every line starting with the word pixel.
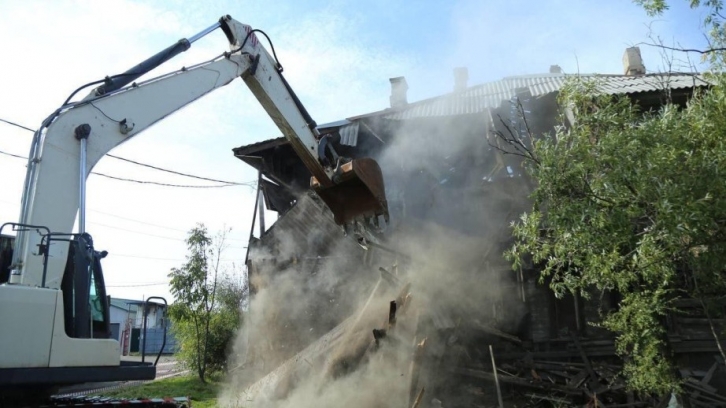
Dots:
pixel 338 56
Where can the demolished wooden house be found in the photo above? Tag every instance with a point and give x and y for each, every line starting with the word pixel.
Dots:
pixel 435 284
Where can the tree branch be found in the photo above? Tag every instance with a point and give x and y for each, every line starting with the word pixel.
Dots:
pixel 595 196
pixel 513 140
pixel 708 316
pixel 692 50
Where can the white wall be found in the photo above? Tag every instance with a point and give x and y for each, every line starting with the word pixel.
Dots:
pixel 153 318
pixel 118 316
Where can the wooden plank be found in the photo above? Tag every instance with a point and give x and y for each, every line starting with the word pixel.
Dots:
pixel 496 377
pixel 705 380
pixel 350 347
pixel 590 371
pixel 389 277
pixel 516 381
pixel 630 404
pixel 392 315
pixel 584 358
pixel 496 332
pixel 419 398
pixel 578 379
pixel 708 395
pixel 415 369
pixel 548 398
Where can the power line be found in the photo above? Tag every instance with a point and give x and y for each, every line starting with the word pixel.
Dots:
pixel 146 233
pixel 176 172
pixel 13 155
pixel 137 285
pixel 145 223
pixel 156 225
pixel 164 184
pixel 233 183
pixel 135 232
pixel 138 221
pixel 143 181
pixel 112 254
pixel 15 124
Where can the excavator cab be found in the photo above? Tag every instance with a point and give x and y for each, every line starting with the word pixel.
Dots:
pixel 357 192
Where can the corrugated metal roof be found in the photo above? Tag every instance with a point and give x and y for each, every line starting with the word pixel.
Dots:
pixel 349 134
pixel 123 304
pixel 347 130
pixel 478 98
pixel 255 147
pixel 337 123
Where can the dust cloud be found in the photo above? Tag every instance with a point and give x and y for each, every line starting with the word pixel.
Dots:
pixel 309 339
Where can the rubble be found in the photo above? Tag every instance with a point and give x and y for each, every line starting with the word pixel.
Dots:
pixel 435 307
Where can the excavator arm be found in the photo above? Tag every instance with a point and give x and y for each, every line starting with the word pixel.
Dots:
pixel 75 137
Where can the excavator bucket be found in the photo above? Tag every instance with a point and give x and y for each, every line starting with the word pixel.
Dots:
pixel 357 192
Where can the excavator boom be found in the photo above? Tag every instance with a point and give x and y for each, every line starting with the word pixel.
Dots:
pixel 50 334
pixel 352 189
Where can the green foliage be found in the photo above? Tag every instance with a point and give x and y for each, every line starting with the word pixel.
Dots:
pixel 189 284
pixel 713 21
pixel 628 201
pixel 657 7
pixel 653 7
pixel 206 313
pixel 223 325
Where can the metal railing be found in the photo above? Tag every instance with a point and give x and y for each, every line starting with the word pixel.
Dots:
pixel 143 343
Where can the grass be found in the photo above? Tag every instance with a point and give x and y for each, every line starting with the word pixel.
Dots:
pixel 202 395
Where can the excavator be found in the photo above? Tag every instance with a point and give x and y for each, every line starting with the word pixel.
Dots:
pixel 54 311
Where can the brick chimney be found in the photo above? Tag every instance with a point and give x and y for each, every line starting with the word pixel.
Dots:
pixel 399 88
pixel 633 62
pixel 461 77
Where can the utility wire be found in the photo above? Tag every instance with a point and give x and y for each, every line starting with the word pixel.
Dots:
pixel 138 221
pixel 230 183
pixel 153 225
pixel 137 285
pixel 15 124
pixel 147 234
pixel 145 223
pixel 135 232
pixel 176 172
pixel 163 184
pixel 144 181
pixel 13 155
pixel 113 254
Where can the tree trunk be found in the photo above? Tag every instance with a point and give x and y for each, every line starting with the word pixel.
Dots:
pixel 713 330
pixel 200 369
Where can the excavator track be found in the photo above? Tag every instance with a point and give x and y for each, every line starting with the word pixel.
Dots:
pixel 101 401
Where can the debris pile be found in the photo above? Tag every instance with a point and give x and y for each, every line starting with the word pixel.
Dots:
pixel 431 314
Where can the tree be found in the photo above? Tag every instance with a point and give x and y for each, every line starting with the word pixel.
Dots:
pixel 713 22
pixel 206 313
pixel 630 201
